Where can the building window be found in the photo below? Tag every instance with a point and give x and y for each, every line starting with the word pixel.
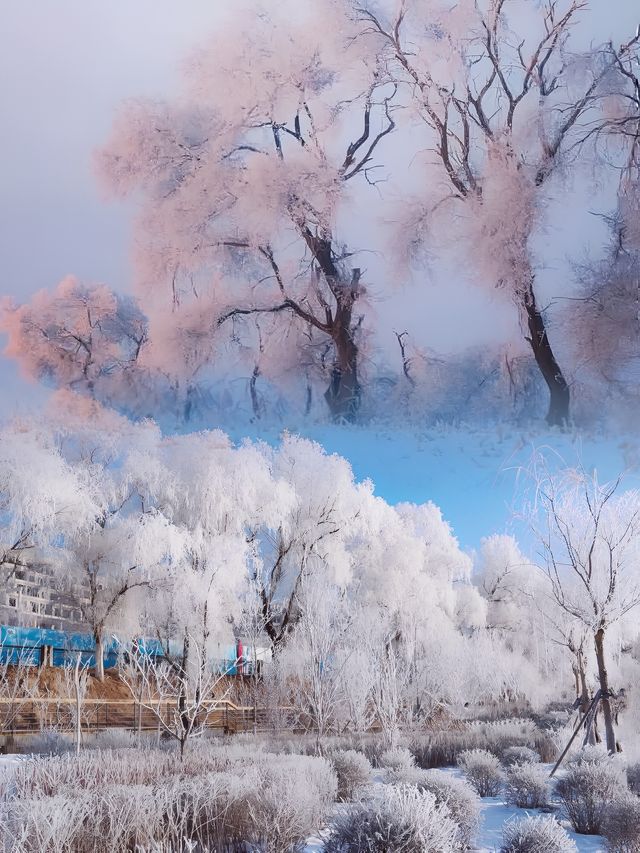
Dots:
pixel 12 601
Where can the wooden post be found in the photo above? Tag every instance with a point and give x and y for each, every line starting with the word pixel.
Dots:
pixel 580 724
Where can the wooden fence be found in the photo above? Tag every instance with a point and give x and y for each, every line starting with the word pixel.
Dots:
pixel 36 715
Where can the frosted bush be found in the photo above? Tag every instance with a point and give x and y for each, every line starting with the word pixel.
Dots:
pixel 592 780
pixel 483 771
pixel 459 797
pixel 92 770
pixel 396 759
pixel 293 797
pixel 499 735
pixel 633 777
pixel 127 817
pixel 399 818
pixel 519 755
pixel 536 835
pixel 47 825
pixel 526 786
pixel 144 799
pixel 442 748
pixel 118 739
pixel 48 742
pixel 621 824
pixel 353 770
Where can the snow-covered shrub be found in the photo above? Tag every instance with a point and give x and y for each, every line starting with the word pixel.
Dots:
pixel 143 799
pixel 118 739
pixel 353 770
pixel 592 781
pixel 519 755
pixel 48 742
pixel 131 817
pixel 396 759
pixel 459 797
pixel 526 786
pixel 441 748
pixel 92 770
pixel 536 835
pixel 46 825
pixel 621 824
pixel 292 798
pixel 483 771
pixel 398 818
pixel 633 777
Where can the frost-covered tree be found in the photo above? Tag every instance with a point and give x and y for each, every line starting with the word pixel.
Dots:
pixel 77 494
pixel 480 77
pixel 589 534
pixel 243 183
pixel 605 319
pixel 42 496
pixel 313 533
pixel 217 495
pixel 86 338
pixel 313 663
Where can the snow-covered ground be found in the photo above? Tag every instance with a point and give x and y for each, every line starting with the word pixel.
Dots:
pixel 495 813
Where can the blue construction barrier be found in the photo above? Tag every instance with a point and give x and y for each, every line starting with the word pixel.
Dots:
pixel 27 645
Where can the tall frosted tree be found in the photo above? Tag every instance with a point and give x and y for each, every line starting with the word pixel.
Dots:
pixel 243 183
pixel 589 536
pixel 505 104
pixel 605 319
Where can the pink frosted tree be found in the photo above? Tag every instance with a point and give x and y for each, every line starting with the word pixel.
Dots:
pixel 605 319
pixel 243 187
pixel 503 112
pixel 83 337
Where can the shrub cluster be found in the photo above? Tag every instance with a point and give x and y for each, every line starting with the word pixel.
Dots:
pixel 536 835
pixel 519 755
pixel 353 770
pixel 456 794
pixel 526 786
pixel 633 777
pixel 218 798
pixel 397 758
pixel 441 748
pixel 483 771
pixel 592 782
pixel 398 818
pixel 621 824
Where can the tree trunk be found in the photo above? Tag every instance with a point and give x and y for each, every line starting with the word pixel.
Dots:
pixel 343 393
pixel 583 693
pixel 559 399
pixel 78 694
pixel 604 687
pixel 98 669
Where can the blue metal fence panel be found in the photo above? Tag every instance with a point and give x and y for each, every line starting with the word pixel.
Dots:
pixel 26 644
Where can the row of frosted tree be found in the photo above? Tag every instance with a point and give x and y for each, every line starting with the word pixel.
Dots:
pixel 316 160
pixel 372 613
